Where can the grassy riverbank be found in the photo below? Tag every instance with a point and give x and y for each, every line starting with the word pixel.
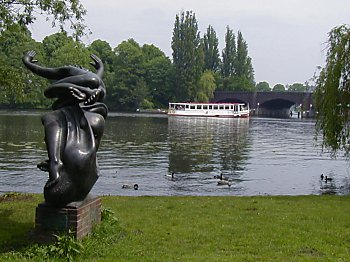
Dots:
pixel 262 228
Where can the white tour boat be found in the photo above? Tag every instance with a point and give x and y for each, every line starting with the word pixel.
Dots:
pixel 209 109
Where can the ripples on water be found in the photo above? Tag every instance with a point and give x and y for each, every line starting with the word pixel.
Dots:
pixel 260 156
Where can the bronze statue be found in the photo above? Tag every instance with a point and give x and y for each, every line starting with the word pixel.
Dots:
pixel 73 130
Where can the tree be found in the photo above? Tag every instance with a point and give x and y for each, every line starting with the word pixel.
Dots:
pixel 104 51
pixel 332 94
pixel 228 54
pixel 263 86
pixel 243 65
pixel 130 90
pixel 62 49
pixel 17 87
pixel 278 88
pixel 211 51
pixel 24 12
pixel 237 70
pixel 188 57
pixel 158 76
pixel 297 87
pixel 206 87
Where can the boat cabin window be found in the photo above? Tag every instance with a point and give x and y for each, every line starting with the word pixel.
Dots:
pixel 187 106
pixel 192 107
pixel 227 107
pixel 205 107
pixel 215 107
pixel 199 107
pixel 221 107
pixel 236 108
pixel 210 107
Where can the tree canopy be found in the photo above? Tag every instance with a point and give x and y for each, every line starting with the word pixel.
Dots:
pixel 278 88
pixel 263 86
pixel 25 12
pixel 135 76
pixel 188 56
pixel 333 92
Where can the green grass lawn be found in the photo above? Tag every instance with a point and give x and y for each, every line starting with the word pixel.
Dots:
pixel 261 228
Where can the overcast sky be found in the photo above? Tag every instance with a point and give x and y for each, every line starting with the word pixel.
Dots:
pixel 286 38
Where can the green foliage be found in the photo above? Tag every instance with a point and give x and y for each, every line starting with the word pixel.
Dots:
pixel 159 77
pixel 134 76
pixel 297 87
pixel 278 88
pixel 229 55
pixel 333 92
pixel 66 246
pixel 240 84
pixel 17 89
pixel 188 56
pixel 24 12
pixel 243 64
pixel 108 215
pixel 263 86
pixel 207 87
pixel 130 89
pixel 237 70
pixel 211 50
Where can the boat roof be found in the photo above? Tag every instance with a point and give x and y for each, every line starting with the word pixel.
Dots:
pixel 207 103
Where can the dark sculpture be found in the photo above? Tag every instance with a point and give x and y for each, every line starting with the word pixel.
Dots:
pixel 73 130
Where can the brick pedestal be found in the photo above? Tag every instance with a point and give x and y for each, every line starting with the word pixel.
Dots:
pixel 78 217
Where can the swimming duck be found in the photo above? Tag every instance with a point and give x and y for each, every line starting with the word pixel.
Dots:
pixel 224 183
pixel 171 175
pixel 221 177
pixel 127 186
pixel 328 179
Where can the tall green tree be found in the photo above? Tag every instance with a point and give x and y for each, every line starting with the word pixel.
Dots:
pixel 24 12
pixel 211 50
pixel 229 54
pixel 333 93
pixel 188 57
pixel 244 71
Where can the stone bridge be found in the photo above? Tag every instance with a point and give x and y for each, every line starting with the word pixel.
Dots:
pixel 273 104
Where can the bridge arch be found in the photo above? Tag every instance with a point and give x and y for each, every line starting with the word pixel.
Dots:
pixel 269 103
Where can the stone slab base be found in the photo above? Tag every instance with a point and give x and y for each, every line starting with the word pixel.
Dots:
pixel 78 218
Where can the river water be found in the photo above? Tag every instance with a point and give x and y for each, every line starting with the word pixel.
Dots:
pixel 260 156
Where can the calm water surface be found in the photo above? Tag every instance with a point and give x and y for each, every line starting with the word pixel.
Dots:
pixel 261 156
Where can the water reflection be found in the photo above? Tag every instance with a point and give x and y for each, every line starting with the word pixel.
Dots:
pixel 260 156
pixel 207 144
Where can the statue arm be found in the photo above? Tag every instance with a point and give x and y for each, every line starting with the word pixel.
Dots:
pixel 97 64
pixel 49 73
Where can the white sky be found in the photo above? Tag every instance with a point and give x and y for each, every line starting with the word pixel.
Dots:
pixel 286 38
